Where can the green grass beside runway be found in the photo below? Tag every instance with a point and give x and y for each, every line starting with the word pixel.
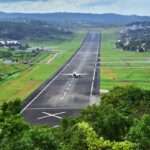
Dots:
pixel 120 68
pixel 23 84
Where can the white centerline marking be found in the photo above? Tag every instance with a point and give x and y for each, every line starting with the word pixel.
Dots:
pixel 93 79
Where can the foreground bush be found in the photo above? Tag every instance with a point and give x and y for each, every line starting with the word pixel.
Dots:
pixel 83 137
pixel 16 134
pixel 140 132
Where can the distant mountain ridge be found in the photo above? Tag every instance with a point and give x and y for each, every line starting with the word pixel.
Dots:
pixel 74 18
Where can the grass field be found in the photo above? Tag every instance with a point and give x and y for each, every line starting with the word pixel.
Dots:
pixel 121 68
pixel 21 85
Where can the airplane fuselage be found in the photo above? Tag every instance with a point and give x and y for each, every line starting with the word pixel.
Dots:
pixel 76 75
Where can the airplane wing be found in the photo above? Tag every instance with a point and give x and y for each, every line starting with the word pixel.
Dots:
pixel 67 74
pixel 77 74
pixel 83 74
pixel 70 74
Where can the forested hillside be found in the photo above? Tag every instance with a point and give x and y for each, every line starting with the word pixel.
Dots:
pixel 31 30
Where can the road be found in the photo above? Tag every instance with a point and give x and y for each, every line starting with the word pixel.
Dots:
pixel 64 96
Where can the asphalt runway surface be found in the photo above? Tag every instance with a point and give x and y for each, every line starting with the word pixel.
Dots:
pixel 65 96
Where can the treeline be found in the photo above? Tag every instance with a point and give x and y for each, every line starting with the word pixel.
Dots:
pixel 120 122
pixel 31 30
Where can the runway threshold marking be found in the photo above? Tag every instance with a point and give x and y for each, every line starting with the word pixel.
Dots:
pixel 48 115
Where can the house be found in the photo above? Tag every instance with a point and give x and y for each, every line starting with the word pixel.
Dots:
pixel 135 37
pixel 9 43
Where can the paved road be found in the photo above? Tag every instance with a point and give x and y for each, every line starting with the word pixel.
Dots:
pixel 63 95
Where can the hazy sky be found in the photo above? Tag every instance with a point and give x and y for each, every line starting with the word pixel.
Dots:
pixel 139 7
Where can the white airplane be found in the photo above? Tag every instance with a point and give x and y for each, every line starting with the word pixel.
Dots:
pixel 75 75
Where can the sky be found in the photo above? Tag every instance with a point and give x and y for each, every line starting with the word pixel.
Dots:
pixel 137 7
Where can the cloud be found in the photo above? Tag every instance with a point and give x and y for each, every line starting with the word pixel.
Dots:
pixel 86 6
pixel 100 3
pixel 14 1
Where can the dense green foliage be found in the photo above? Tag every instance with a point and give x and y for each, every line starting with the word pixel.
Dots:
pixel 15 134
pixel 140 132
pixel 120 122
pixel 31 30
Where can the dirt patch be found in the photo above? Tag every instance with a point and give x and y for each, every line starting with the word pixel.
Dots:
pixel 109 73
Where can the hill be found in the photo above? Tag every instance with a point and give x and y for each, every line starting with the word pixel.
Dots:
pixel 31 30
pixel 74 18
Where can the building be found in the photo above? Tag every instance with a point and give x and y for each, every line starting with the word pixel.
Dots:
pixel 9 43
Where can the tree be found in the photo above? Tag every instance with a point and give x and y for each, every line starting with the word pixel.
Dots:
pixel 83 137
pixel 124 96
pixel 15 134
pixel 41 138
pixel 11 108
pixel 11 131
pixel 140 132
pixel 125 145
pixel 107 121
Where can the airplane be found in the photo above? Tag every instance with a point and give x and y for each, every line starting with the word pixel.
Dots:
pixel 75 75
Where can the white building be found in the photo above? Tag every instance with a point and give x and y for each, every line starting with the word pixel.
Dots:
pixel 9 43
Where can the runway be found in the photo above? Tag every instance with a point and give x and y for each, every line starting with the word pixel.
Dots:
pixel 65 96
